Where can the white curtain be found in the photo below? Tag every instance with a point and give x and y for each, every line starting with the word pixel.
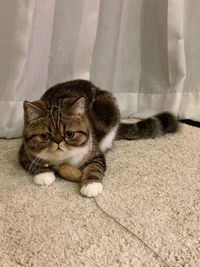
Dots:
pixel 147 52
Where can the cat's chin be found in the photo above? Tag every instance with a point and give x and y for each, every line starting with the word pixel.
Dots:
pixel 55 157
pixel 57 153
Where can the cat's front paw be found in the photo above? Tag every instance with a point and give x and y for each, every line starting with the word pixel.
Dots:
pixel 45 178
pixel 91 189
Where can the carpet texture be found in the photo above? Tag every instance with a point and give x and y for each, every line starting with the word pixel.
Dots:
pixel 151 186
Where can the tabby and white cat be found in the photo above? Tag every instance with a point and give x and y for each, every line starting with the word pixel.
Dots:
pixel 75 122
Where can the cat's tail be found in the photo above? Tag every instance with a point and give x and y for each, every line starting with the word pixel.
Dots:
pixel 152 127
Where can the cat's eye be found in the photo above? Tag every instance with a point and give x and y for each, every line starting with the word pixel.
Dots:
pixel 45 136
pixel 69 134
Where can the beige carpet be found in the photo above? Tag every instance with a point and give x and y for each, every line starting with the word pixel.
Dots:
pixel 151 186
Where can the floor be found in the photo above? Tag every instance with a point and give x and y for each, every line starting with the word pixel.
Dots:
pixel 152 188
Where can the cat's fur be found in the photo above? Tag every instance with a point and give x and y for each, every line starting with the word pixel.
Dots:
pixel 76 122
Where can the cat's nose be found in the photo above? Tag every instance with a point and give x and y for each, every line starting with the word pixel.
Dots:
pixel 57 138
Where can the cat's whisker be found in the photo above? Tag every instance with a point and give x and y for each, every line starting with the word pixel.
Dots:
pixel 37 159
pixel 34 163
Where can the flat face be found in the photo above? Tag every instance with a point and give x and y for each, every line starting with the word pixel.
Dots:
pixel 55 130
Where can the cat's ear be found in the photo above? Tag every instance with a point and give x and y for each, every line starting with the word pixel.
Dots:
pixel 34 110
pixel 76 107
pixel 79 106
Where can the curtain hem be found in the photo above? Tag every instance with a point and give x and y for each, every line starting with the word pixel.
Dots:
pixel 184 105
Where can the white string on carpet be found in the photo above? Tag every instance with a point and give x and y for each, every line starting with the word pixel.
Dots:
pixel 133 234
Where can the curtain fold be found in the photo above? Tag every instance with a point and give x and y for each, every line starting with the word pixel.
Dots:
pixel 147 53
pixel 72 44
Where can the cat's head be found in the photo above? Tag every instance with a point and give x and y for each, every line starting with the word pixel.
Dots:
pixel 55 129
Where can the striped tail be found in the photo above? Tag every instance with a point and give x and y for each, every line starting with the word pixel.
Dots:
pixel 152 127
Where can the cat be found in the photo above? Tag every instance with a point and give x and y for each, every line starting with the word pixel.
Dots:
pixel 75 122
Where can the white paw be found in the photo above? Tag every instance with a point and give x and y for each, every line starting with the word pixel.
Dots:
pixel 92 189
pixel 45 178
